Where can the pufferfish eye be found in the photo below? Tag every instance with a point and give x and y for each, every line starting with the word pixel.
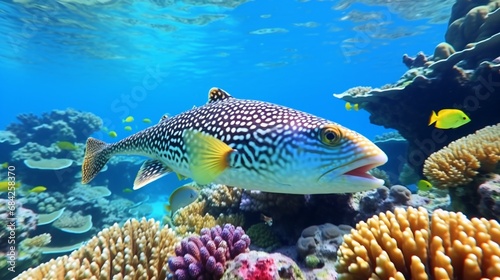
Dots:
pixel 330 135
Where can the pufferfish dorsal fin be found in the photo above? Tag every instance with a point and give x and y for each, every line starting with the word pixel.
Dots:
pixel 217 94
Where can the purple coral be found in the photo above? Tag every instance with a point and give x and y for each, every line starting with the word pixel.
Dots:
pixel 204 257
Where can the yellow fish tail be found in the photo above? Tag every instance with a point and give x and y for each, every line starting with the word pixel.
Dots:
pixel 433 118
pixel 356 107
pixel 208 156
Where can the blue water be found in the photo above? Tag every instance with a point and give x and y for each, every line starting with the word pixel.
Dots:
pixel 145 59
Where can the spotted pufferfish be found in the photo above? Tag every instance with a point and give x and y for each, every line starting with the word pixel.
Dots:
pixel 249 144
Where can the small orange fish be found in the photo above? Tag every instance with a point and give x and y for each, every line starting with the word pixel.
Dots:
pixel 267 220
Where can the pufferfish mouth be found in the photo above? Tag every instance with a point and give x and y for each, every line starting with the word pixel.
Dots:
pixel 359 169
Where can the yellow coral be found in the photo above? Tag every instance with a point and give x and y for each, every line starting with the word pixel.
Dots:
pixel 194 217
pixel 138 250
pixel 459 162
pixel 37 241
pixel 407 245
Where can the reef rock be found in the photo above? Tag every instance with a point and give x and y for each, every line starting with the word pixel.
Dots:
pixel 489 192
pixel 318 245
pixel 408 105
pixel 384 199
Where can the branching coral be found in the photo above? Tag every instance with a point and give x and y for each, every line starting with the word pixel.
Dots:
pixel 407 245
pixel 139 250
pixel 459 162
pixel 194 217
pixel 204 257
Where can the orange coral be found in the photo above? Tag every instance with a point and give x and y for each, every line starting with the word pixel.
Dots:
pixel 407 245
pixel 459 162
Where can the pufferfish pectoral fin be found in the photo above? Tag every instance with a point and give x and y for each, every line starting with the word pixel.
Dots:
pixel 208 156
pixel 150 171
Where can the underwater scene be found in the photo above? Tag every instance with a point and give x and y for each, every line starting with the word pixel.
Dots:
pixel 250 140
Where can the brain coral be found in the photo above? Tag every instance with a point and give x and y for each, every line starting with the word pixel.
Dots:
pixel 407 245
pixel 459 162
pixel 138 250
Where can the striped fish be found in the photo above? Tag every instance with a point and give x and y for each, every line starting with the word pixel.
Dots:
pixel 248 144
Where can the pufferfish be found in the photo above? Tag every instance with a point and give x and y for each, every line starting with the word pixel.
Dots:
pixel 249 144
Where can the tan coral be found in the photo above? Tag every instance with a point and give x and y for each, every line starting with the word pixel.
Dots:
pixel 406 245
pixel 37 241
pixel 194 217
pixel 222 196
pixel 459 162
pixel 138 250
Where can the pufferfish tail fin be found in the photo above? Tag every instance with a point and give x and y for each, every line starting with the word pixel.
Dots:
pixel 96 156
pixel 433 118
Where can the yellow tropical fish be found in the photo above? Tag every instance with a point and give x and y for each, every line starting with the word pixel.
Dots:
pixel 128 119
pixel 127 190
pixel 66 145
pixel 424 185
pixel 5 165
pixel 449 118
pixel 128 128
pixel 112 134
pixel 4 185
pixel 181 197
pixel 38 189
pixel 349 106
pixel 146 120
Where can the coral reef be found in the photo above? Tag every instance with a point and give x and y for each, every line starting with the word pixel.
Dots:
pixel 459 162
pixel 205 256
pixel 258 201
pixel 8 137
pixel 489 192
pixel 384 199
pixel 221 198
pixel 407 244
pixel 24 220
pixel 115 252
pixel 321 243
pixel 29 254
pixel 58 125
pixel 467 79
pixel 263 237
pixel 472 21
pixel 195 217
pixel 73 222
pixel 413 62
pixel 15 228
pixel 256 265
pixel 43 202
